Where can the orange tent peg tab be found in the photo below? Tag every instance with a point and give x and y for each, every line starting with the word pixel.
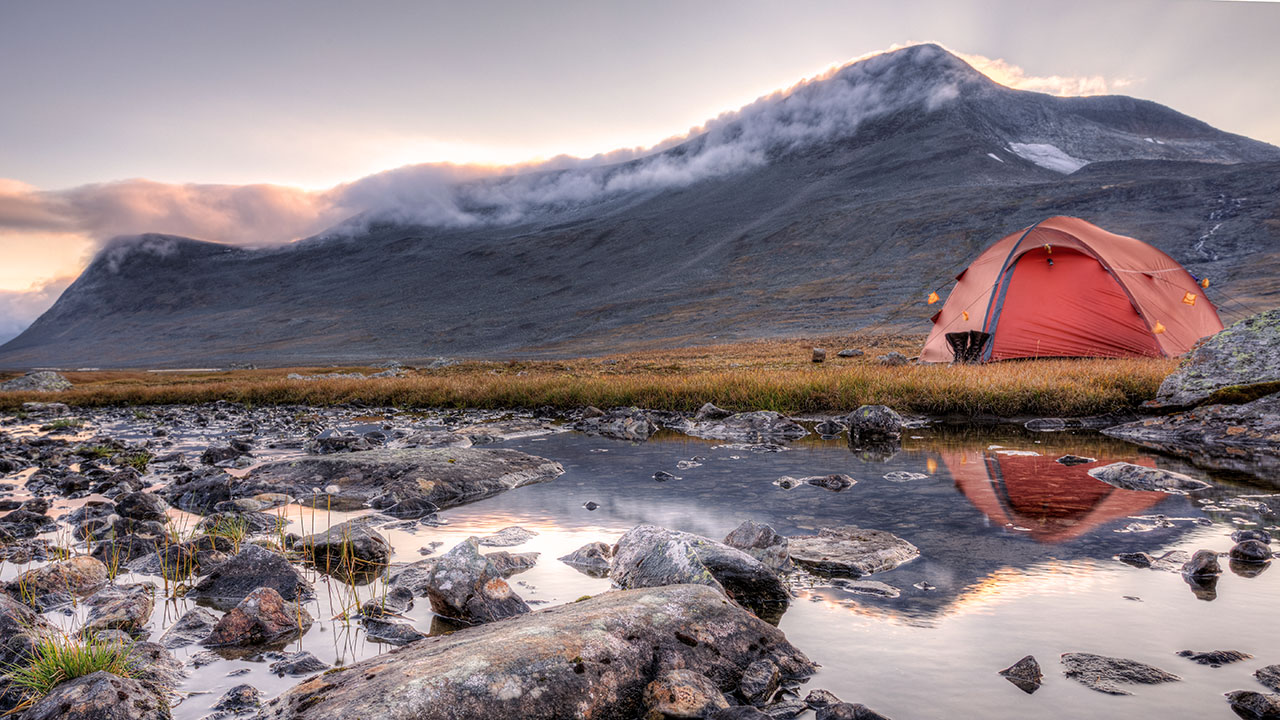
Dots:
pixel 933 298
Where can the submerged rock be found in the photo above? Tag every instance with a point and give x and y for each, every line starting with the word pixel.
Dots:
pixel 652 556
pixel 99 696
pixel 1215 658
pixel 1070 460
pixel 874 423
pixel 622 424
pixel 1243 355
pixel 1128 476
pixel 1204 563
pixel 1226 437
pixel 1255 705
pixel 465 585
pixel 1250 551
pixel 1025 674
pixel 591 559
pixel 1108 674
pixel 193 627
pixel 849 550
pixel 261 617
pixel 761 426
pixel 1171 561
pixel 592 658
pixel 252 568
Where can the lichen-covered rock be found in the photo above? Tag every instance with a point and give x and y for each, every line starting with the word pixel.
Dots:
pixel 849 550
pixel 1025 674
pixel 621 423
pixel 99 696
pixel 652 556
pixel 761 542
pixel 1226 437
pixel 592 658
pixel 874 423
pixel 126 608
pixel 21 629
pixel 1109 674
pixel 239 700
pixel 1243 355
pixel 253 567
pixel 1128 476
pixel 38 381
pixel 465 585
pixel 759 681
pixel 508 537
pixel 709 411
pixel 679 694
pixel 761 426
pixel 591 559
pixel 261 617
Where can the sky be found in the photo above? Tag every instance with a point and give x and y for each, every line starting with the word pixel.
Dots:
pixel 242 121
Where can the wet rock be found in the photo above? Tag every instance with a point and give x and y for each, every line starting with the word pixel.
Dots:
pixel 142 506
pixel 239 700
pixel 1109 674
pixel 81 575
pixel 834 482
pixel 508 537
pixel 158 669
pixel 1226 437
pixel 221 455
pixel 738 712
pixel 193 627
pixel 349 548
pixel 709 411
pixel 509 563
pixel 1128 476
pixel 849 550
pixel 664 476
pixel 682 694
pixel 850 352
pixel 848 711
pixel 298 663
pixel 651 556
pixel 1269 676
pixel 1242 355
pixel 99 696
pixel 761 542
pixel 126 608
pixel 391 632
pixel 621 423
pixel 252 568
pixel 819 698
pixel 386 478
pixel 591 559
pixel 1074 460
pixel 1255 705
pixel 261 617
pixel 1215 658
pixel 1025 674
pixel 465 585
pixel 829 428
pixel 21 630
pixel 874 423
pixel 868 587
pixel 762 426
pixel 1171 561
pixel 592 658
pixel 759 682
pixel 1261 536
pixel 37 381
pixel 904 476
pixel 331 442
pixel 199 491
pixel 1250 551
pixel 1203 563
pixel 181 560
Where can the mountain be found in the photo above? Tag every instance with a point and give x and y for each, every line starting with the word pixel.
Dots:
pixel 835 206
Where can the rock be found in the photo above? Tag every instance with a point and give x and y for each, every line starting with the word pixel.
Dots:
pixel 868 587
pixel 848 711
pixel 1224 437
pixel 1215 658
pixel 761 542
pixel 829 428
pixel 192 557
pixel 1250 551
pixel 904 476
pixel 874 423
pixel 1255 705
pixel 1025 674
pixel 621 423
pixel 261 617
pixel 738 712
pixel 833 482
pixel 53 409
pixel 1128 476
pixel 1074 460
pixel 1261 536
pixel 412 577
pixel 590 559
pixel 1202 563
pixel 252 568
pixel 348 549
pixel 126 608
pixel 240 700
pixel 221 455
pixel 651 556
pixel 158 669
pixel 37 381
pixel 142 506
pixel 711 412
pixel 682 694
pixel 1269 676
pixel 759 682
pixel 329 442
pixel 193 627
pixel 99 696
pixel 445 477
pixel 465 585
pixel 1108 674
pixel 1243 355
pixel 1171 561
pixel 81 575
pixel 892 359
pixel 1204 587
pixel 762 426
pixel 508 537
pixel 664 476
pixel 298 663
pixel 509 563
pixel 849 550
pixel 592 658
pixel 21 630
pixel 819 355
pixel 850 352
pixel 819 698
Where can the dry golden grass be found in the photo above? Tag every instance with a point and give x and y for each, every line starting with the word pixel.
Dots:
pixel 764 375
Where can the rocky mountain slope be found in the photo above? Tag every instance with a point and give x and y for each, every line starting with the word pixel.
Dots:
pixel 837 206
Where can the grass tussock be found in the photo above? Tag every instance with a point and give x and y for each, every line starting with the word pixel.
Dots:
pixel 59 658
pixel 766 375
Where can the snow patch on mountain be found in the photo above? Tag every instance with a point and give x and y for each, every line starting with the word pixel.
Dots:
pixel 1047 156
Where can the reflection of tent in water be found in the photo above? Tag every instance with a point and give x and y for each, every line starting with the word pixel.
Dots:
pixel 1055 502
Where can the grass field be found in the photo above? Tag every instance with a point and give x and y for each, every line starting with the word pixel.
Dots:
pixel 765 375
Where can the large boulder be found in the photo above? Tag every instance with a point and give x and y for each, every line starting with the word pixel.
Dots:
pixel 1128 476
pixel 38 381
pixel 651 556
pixel 465 585
pixel 444 477
pixel 849 550
pixel 592 658
pixel 621 423
pixel 761 426
pixel 1110 674
pixel 349 548
pixel 99 696
pixel 262 617
pixel 253 567
pixel 1245 355
pixel 1242 438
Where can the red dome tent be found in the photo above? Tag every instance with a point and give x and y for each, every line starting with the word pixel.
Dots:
pixel 1067 288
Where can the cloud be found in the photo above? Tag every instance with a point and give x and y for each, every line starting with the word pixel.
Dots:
pixel 1011 75
pixel 18 308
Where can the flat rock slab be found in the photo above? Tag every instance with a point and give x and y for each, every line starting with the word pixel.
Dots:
pixel 1244 438
pixel 592 658
pixel 849 550
pixel 750 427
pixel 1109 674
pixel 1128 476
pixel 1244 354
pixel 446 477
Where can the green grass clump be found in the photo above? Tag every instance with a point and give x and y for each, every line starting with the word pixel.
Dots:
pixel 136 460
pixel 233 528
pixel 59 658
pixel 64 424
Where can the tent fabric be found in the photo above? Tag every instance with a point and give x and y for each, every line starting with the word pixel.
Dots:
pixel 1067 288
